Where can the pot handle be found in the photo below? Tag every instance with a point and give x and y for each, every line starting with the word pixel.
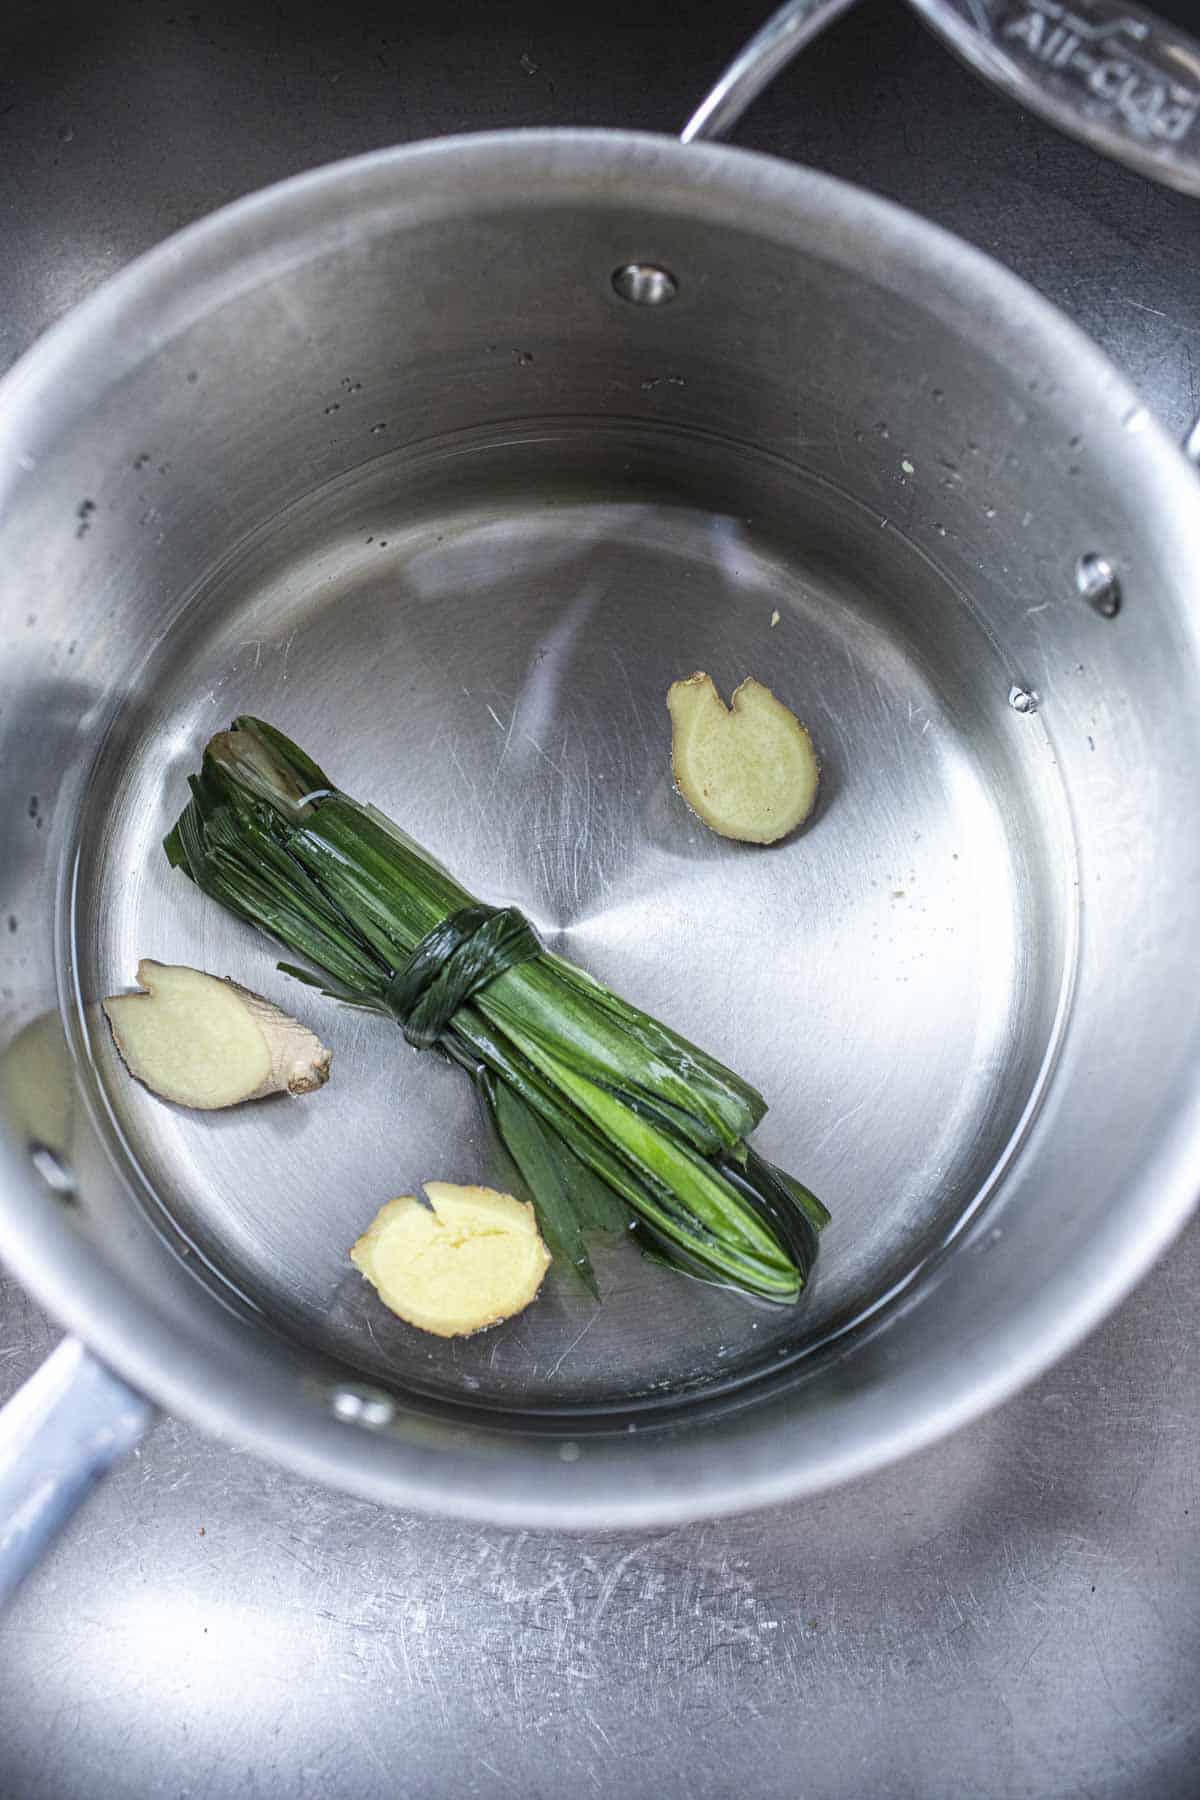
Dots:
pixel 1112 74
pixel 59 1434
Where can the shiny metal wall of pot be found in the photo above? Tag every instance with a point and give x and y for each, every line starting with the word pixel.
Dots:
pixel 180 415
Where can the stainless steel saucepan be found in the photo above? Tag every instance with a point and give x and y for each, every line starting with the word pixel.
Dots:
pixel 448 460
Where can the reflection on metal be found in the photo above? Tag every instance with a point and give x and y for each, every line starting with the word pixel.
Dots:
pixel 59 1435
pixel 782 37
pixel 36 1090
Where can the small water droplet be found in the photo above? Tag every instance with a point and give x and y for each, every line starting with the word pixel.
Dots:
pixel 142 462
pixel 1136 419
pixel 524 358
pixel 989 512
pixel 377 429
pixel 1022 700
pixel 351 387
pixel 569 1453
pixel 193 376
pixel 12 921
pixel 363 1406
pixel 937 393
pixel 1097 581
pixel 882 429
pixel 939 528
pixel 332 409
pixel 907 467
pixel 66 134
pixel 528 64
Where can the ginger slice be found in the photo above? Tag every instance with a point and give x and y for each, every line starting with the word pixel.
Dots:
pixel 203 1041
pixel 748 770
pixel 470 1259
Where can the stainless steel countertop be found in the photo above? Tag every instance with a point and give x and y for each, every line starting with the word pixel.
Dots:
pixel 1016 1612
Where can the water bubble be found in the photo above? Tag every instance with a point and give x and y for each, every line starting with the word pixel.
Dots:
pixel 1022 700
pixel 363 1406
pixel 1097 581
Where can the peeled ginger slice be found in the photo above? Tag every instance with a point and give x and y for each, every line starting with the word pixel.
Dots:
pixel 748 770
pixel 468 1260
pixel 205 1042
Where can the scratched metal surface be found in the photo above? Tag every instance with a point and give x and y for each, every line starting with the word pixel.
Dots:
pixel 1016 1612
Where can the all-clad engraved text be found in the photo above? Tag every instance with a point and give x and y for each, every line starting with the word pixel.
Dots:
pixel 1105 57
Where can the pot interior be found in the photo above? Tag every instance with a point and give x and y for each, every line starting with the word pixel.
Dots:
pixel 478 635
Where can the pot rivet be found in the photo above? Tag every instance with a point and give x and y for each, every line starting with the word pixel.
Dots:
pixel 1022 700
pixel 364 1406
pixel 1097 581
pixel 644 284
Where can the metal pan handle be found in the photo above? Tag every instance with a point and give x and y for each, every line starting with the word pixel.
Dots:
pixel 59 1435
pixel 1113 75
